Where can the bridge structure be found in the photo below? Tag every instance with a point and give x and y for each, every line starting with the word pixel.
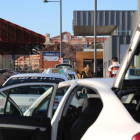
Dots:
pixel 17 40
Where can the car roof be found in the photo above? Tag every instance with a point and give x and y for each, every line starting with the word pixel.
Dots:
pixel 107 81
pixel 62 64
pixel 39 75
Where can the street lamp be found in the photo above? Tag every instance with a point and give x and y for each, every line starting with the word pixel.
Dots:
pixel 60 24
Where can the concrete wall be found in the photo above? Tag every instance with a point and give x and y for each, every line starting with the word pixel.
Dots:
pixel 107 54
pixel 112 48
pixel 135 18
pixel 134 21
pixel 5 63
pixel 139 9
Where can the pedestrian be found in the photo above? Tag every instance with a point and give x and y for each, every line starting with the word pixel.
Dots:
pixel 78 74
pixel 88 71
pixel 113 69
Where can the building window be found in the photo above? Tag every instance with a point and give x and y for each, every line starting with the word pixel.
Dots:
pixel 66 38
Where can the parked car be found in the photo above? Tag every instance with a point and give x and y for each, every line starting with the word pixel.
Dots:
pixel 96 108
pixel 34 77
pixel 63 65
pixel 68 72
pixel 27 95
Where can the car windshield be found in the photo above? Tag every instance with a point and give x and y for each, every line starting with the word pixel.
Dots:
pixel 62 66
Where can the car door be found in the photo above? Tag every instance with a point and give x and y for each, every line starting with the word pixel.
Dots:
pixel 13 102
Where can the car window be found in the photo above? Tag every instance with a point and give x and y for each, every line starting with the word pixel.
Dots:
pixel 133 71
pixel 22 97
pixel 59 95
pixel 42 109
pixel 70 76
pixel 81 110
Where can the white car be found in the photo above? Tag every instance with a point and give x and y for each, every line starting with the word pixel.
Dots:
pixel 25 97
pixel 62 65
pixel 68 72
pixel 33 77
pixel 96 109
pixel 110 111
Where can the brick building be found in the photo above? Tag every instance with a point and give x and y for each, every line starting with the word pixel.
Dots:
pixel 67 37
pixel 27 63
pixel 70 46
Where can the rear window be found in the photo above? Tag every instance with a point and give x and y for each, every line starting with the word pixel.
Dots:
pixel 16 80
pixel 70 76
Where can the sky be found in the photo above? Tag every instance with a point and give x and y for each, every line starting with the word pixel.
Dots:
pixel 44 18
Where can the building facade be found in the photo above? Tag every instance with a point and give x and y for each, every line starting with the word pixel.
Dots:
pixel 116 24
pixel 27 63
pixel 68 38
pixel 72 47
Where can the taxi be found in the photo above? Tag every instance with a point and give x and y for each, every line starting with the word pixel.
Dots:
pixel 66 71
pixel 62 65
pixel 25 96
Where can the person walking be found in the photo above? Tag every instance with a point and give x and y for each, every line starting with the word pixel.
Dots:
pixel 78 74
pixel 113 69
pixel 87 70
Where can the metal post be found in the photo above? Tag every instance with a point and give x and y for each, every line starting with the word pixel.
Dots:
pixel 60 28
pixel 95 58
pixel 18 65
pixel 60 24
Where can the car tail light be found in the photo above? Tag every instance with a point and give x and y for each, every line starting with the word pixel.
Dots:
pixel 136 137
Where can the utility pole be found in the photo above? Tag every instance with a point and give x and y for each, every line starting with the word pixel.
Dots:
pixel 60 23
pixel 60 28
pixel 95 56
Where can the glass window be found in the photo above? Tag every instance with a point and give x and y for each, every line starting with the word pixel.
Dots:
pixel 22 97
pixel 133 71
pixel 84 108
pixel 43 107
pixel 59 95
pixel 70 76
